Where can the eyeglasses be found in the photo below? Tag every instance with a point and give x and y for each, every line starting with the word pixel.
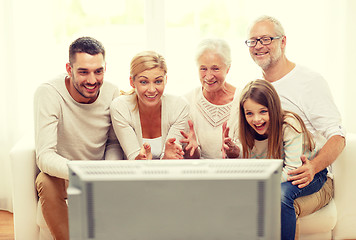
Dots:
pixel 262 40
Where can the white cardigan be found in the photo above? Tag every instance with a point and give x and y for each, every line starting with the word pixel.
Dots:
pixel 127 125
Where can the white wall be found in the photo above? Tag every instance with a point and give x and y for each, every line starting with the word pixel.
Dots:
pixel 320 34
pixel 350 65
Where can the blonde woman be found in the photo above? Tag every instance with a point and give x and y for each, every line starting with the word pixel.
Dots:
pixel 147 122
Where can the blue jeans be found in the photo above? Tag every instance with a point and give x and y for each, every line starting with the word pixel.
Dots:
pixel 289 193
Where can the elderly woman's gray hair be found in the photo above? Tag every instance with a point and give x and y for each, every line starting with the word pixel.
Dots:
pixel 219 46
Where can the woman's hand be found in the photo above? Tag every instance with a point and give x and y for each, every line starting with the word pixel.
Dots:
pixel 229 148
pixel 173 150
pixel 145 152
pixel 190 139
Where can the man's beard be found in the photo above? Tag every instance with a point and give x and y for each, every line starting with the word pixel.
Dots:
pixel 271 61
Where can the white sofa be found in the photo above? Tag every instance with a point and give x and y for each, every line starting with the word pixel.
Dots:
pixel 335 221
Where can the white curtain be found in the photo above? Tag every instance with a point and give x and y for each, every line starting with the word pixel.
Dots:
pixel 6 115
pixel 25 30
pixel 320 34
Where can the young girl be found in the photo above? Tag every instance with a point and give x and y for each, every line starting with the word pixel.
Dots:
pixel 147 122
pixel 267 131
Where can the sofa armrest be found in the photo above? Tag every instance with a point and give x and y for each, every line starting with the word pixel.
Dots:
pixel 345 192
pixel 24 171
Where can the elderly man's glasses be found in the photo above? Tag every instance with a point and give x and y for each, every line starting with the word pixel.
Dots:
pixel 262 40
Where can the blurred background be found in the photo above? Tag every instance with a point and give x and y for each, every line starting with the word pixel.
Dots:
pixel 35 36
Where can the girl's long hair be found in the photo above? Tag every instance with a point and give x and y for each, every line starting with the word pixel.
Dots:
pixel 262 92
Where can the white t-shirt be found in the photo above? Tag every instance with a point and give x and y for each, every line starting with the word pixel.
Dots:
pixel 307 94
pixel 156 146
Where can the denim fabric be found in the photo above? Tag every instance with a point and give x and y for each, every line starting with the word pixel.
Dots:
pixel 289 193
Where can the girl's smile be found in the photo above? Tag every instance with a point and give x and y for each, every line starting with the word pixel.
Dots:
pixel 256 116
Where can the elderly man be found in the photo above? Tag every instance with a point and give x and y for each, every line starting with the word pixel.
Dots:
pixel 307 94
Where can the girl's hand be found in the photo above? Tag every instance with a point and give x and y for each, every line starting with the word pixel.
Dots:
pixel 229 148
pixel 173 150
pixel 145 152
pixel 190 139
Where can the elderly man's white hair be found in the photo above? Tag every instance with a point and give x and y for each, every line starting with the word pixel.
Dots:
pixel 278 28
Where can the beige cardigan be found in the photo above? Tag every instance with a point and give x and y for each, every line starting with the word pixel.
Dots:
pixel 127 125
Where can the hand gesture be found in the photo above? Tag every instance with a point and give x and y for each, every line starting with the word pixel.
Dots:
pixel 191 140
pixel 173 150
pixel 304 174
pixel 145 152
pixel 229 148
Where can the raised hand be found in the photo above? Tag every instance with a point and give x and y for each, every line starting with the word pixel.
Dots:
pixel 190 139
pixel 229 148
pixel 173 150
pixel 145 152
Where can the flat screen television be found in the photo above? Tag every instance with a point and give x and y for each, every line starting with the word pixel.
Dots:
pixel 175 199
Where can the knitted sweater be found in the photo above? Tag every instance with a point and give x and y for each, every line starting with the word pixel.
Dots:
pixel 67 130
pixel 208 119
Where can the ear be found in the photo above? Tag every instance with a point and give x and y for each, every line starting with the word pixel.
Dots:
pixel 228 69
pixel 165 79
pixel 131 82
pixel 284 42
pixel 69 69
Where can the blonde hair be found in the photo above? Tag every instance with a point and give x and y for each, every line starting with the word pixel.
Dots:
pixel 262 92
pixel 143 61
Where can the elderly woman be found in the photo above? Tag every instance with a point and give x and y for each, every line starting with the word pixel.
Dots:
pixel 146 121
pixel 210 104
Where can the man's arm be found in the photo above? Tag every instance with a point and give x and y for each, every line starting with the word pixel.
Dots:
pixel 326 156
pixel 46 114
pixel 321 116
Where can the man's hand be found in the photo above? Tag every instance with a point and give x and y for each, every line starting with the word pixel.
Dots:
pixel 229 148
pixel 303 175
pixel 145 153
pixel 173 150
pixel 190 139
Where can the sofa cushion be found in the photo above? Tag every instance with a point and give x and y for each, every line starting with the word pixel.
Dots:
pixel 323 220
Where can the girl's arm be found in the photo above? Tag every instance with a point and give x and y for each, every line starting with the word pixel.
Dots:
pixel 293 143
